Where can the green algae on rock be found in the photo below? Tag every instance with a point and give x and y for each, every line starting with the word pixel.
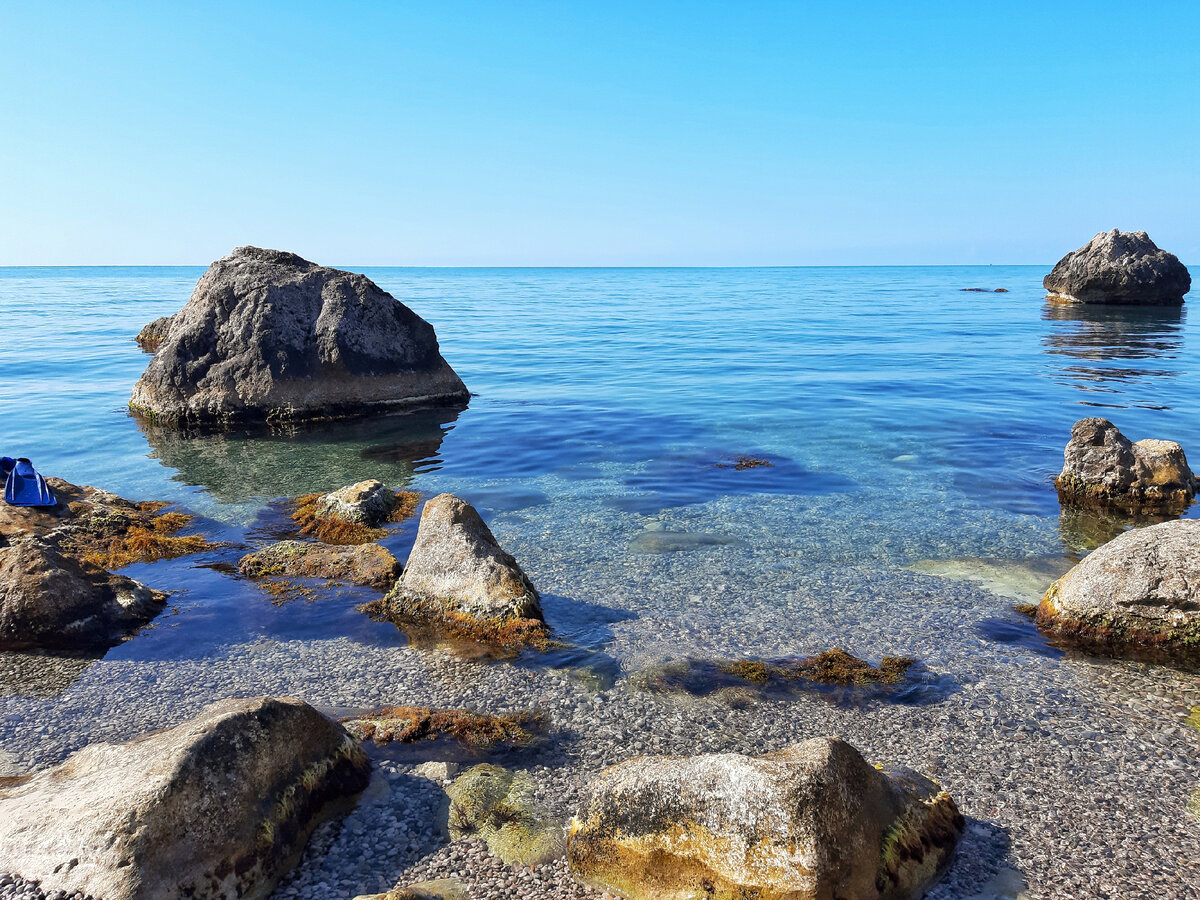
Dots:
pixel 366 564
pixel 496 805
pixel 408 724
pixel 810 822
pixel 438 889
pixel 1135 596
pixel 220 805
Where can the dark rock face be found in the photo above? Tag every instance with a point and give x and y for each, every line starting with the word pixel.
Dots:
pixel 219 806
pixel 270 337
pixel 51 600
pixel 812 821
pixel 1119 267
pixel 154 333
pixel 1102 467
pixel 1135 596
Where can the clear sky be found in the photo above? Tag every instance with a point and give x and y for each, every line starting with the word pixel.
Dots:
pixel 596 133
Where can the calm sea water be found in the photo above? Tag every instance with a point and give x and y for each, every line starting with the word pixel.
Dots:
pixel 933 417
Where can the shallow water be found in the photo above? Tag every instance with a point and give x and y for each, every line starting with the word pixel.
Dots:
pixel 911 426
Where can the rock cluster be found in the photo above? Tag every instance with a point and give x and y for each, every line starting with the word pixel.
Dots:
pixel 270 337
pixel 1119 267
pixel 458 581
pixel 218 806
pixel 1102 467
pixel 1135 595
pixel 812 821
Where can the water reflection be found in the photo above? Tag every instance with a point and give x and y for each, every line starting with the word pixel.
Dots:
pixel 237 466
pixel 1106 347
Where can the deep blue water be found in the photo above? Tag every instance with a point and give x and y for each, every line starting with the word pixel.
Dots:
pixel 939 415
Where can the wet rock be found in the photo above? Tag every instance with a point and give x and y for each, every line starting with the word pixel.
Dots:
pixel 1135 596
pixel 664 541
pixel 366 564
pixel 219 806
pixel 154 333
pixel 367 503
pixel 459 581
pixel 1020 579
pixel 439 889
pixel 1102 467
pixel 353 514
pixel 408 724
pixel 813 820
pixel 50 600
pixel 496 805
pixel 270 337
pixel 1119 267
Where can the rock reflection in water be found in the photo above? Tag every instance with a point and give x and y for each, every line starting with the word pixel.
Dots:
pixel 1083 530
pixel 240 465
pixel 1116 344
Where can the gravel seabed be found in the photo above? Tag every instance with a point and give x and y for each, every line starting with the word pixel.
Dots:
pixel 1074 773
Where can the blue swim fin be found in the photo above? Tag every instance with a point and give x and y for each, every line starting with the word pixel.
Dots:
pixel 25 487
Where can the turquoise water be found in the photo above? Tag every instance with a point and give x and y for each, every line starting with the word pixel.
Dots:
pixel 914 430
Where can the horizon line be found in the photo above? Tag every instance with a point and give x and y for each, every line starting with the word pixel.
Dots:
pixel 611 266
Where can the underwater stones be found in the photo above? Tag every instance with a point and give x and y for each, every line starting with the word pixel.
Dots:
pixel 218 806
pixel 154 333
pixel 270 337
pixel 1119 267
pixel 496 805
pixel 810 822
pixel 49 599
pixel 367 564
pixel 1102 467
pixel 459 581
pixel 408 724
pixel 1138 594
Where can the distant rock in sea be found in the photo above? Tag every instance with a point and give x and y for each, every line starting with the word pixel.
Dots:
pixel 270 337
pixel 1122 268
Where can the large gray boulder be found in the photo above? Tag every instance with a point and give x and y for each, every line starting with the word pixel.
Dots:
pixel 1137 594
pixel 48 599
pixel 1119 267
pixel 459 580
pixel 218 807
pixel 815 820
pixel 1102 467
pixel 270 337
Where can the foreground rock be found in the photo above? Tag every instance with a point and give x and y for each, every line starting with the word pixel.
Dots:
pixel 1119 267
pixel 496 805
pixel 1102 467
pixel 53 601
pixel 270 337
pixel 367 564
pixel 55 590
pixel 1136 595
pixel 217 807
pixel 459 582
pixel 812 821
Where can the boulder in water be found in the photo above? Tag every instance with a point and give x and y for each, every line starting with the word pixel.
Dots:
pixel 1119 267
pixel 1135 596
pixel 270 337
pixel 367 564
pixel 219 806
pixel 1102 467
pixel 815 820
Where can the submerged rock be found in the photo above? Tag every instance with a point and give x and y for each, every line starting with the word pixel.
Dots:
pixel 219 806
pixel 1119 267
pixel 1134 596
pixel 154 333
pixel 496 805
pixel 50 600
pixel 460 582
pixel 270 337
pixel 366 564
pixel 1102 467
pixel 408 724
pixel 812 821
pixel 439 889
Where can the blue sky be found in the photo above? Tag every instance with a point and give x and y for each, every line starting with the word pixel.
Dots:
pixel 614 133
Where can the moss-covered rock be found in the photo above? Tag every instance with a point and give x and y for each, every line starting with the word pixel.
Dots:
pixel 408 724
pixel 366 564
pixel 496 805
pixel 440 889
pixel 812 822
